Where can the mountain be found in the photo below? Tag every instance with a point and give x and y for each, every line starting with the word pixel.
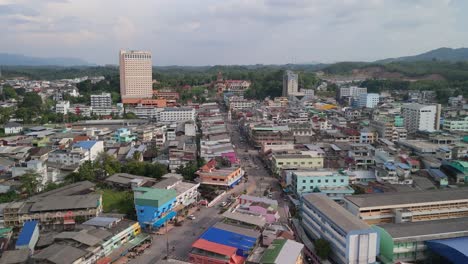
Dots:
pixel 441 54
pixel 22 60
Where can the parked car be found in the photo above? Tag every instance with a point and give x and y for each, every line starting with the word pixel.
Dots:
pixel 224 204
pixel 191 217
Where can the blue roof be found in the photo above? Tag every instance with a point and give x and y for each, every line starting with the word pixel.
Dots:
pixel 85 144
pixel 453 249
pixel 243 243
pixel 26 233
pixel 389 166
pixel 404 166
pixel 436 173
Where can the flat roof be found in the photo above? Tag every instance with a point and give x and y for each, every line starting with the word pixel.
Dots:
pixel 404 198
pixel 237 229
pixel 335 212
pixel 15 256
pixel 126 179
pixel 317 173
pixel 420 230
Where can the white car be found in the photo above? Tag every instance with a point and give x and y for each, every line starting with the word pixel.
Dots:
pixel 191 217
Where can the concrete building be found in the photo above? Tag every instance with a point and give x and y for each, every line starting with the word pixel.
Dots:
pixel 368 100
pixel 123 135
pixel 177 114
pixel 12 128
pixel 62 107
pixel 282 251
pixel 228 177
pixel 297 161
pixel 352 241
pixel 352 91
pixel 456 125
pixel 334 184
pixel 186 192
pixel 103 100
pixel 136 80
pixel 417 242
pixel 388 130
pixel 154 207
pixel 290 83
pixel 409 206
pixel 419 117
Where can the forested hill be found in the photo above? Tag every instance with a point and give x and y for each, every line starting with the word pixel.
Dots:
pixel 441 54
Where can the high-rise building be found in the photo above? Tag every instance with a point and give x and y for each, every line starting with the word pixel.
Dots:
pixel 352 91
pixel 136 81
pixel 421 117
pixel 290 83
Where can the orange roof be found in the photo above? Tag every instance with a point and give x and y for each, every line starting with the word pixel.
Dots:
pixel 208 166
pixel 80 138
pixel 238 259
pixel 214 247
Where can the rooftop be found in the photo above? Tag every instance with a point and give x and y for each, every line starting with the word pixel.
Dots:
pixel 58 203
pixel 153 197
pixel 335 212
pixel 60 254
pixel 214 247
pixel 418 230
pixel 405 198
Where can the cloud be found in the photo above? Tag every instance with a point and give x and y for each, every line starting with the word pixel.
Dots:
pixel 233 31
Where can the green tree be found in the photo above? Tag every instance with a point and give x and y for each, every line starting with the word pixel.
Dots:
pixel 107 163
pixel 322 248
pixel 130 115
pixel 30 182
pixel 9 92
pixel 188 171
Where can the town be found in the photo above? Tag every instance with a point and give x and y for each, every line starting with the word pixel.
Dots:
pixel 129 168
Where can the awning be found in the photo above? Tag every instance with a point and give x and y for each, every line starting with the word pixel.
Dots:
pixel 164 219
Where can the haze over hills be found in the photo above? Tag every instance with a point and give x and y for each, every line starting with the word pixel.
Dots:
pixel 8 59
pixel 441 54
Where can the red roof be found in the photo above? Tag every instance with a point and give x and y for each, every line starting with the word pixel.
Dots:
pixel 214 247
pixel 208 166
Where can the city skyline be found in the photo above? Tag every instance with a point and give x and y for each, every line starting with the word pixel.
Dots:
pixel 232 32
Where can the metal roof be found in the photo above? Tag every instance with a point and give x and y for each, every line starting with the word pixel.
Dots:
pixel 26 233
pixel 403 198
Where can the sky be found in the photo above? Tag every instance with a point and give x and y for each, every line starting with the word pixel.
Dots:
pixel 213 32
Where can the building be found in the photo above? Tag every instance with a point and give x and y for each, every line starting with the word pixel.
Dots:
pixel 154 207
pixel 352 241
pixel 53 210
pixel 388 130
pixel 297 161
pixel 453 125
pixel 12 128
pixel 368 100
pixel 412 206
pixel 224 177
pixel 177 114
pixel 123 135
pixel 62 107
pixel 204 252
pixel 352 91
pixel 290 83
pixel 334 184
pixel 186 192
pixel 262 206
pixel 283 251
pixel 420 241
pixel 103 100
pixel 28 236
pixel 136 70
pixel 419 117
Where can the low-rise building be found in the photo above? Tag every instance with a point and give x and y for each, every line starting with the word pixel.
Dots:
pixel 311 160
pixel 62 107
pixel 418 241
pixel 409 206
pixel 123 135
pixel 12 128
pixel 154 207
pixel 224 177
pixel 456 125
pixel 282 251
pixel 322 218
pixel 332 183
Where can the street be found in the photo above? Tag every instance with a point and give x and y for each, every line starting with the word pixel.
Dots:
pixel 181 238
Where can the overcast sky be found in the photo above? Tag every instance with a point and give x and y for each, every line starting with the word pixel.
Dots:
pixel 208 32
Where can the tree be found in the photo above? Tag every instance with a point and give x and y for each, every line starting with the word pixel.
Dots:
pixel 9 92
pixel 188 171
pixel 86 172
pixel 130 115
pixel 108 163
pixel 322 248
pixel 30 182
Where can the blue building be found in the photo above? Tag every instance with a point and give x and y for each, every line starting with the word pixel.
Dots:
pixel 154 207
pixel 123 135
pixel 28 236
pixel 334 184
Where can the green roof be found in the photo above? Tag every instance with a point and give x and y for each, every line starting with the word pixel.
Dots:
pixel 153 197
pixel 272 252
pixel 4 231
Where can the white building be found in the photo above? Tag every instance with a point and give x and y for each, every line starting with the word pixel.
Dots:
pixel 187 192
pixel 35 166
pixel 177 114
pixel 352 241
pixel 290 83
pixel 81 110
pixel 81 152
pixel 12 128
pixel 421 117
pixel 62 107
pixel 103 100
pixel 368 100
pixel 352 91
pixel 239 102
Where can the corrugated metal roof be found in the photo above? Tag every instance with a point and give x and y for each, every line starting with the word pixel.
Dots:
pixel 214 247
pixel 26 233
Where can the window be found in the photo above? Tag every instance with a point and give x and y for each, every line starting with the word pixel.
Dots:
pixel 319 181
pixel 326 181
pixel 303 181
pixel 342 180
pixel 311 181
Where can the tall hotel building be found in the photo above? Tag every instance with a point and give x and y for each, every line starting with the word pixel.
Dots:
pixel 136 80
